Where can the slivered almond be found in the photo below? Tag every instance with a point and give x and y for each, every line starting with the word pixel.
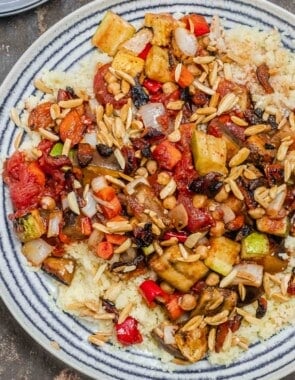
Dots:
pixel 48 135
pixel 193 323
pixel 257 128
pixel 71 103
pixel 292 120
pixel 193 239
pixel 206 110
pixel 175 105
pixel 227 341
pixel 247 316
pixel 73 203
pixel 14 116
pixel 214 100
pixel 212 339
pixel 177 72
pixel 239 157
pixel 122 75
pixel 228 279
pixel 100 227
pixel 41 86
pixel 66 147
pixel 18 139
pixel 124 246
pixel 235 190
pixel 280 297
pixel 99 272
pixel 239 121
pixel 217 319
pixel 227 103
pixel 120 158
pixel 200 86
pixel 169 189
pixel 125 312
pixel 104 316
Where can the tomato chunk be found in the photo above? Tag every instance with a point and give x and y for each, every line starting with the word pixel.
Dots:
pixel 167 155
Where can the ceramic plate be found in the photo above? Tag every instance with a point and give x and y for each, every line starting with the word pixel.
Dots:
pixel 28 294
pixel 11 7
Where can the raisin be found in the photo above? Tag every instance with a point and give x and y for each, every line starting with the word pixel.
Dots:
pixel 104 150
pixel 143 236
pixel 209 184
pixel 139 96
pixel 262 307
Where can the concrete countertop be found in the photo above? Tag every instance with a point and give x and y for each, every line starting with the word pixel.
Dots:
pixel 20 356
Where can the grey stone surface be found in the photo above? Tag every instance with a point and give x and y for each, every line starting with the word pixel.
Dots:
pixel 21 358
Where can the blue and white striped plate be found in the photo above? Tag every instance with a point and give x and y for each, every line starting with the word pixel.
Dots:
pixel 12 7
pixel 27 293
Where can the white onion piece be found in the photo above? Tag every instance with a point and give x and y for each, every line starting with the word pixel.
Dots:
pixel 95 238
pixel 138 42
pixel 254 271
pixel 228 214
pixel 150 112
pixel 90 138
pixel 186 41
pixel 98 183
pixel 90 208
pixel 55 219
pixel 36 251
pixel 169 334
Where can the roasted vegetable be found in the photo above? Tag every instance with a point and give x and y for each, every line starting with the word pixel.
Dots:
pixel 128 63
pixel 277 227
pixel 213 300
pixel 61 268
pixel 192 342
pixel 209 153
pixel 181 275
pixel 29 227
pixel 255 245
pixel 111 33
pixel 157 65
pixel 222 255
pixel 162 26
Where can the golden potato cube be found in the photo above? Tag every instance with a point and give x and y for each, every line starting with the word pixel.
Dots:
pixel 128 63
pixel 209 153
pixel 157 65
pixel 112 32
pixel 181 275
pixel 222 255
pixel 162 25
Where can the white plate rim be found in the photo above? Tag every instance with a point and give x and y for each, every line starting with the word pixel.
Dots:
pixel 18 6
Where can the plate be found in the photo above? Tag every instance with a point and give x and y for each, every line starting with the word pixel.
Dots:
pixel 28 294
pixel 11 7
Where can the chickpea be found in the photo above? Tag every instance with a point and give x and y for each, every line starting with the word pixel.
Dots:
pixel 169 87
pixel 114 88
pixel 222 195
pixel 142 172
pixel 163 178
pixel 152 166
pixel 170 202
pixel 48 203
pixel 218 229
pixel 199 200
pixel 201 250
pixel 110 78
pixel 166 287
pixel 187 302
pixel 212 279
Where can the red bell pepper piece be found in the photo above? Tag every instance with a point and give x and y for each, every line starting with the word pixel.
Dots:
pixel 145 51
pixel 152 86
pixel 199 23
pixel 167 155
pixel 181 236
pixel 127 332
pixel 291 284
pixel 151 291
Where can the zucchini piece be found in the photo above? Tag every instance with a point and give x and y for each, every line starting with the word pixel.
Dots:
pixel 255 245
pixel 148 250
pixel 62 269
pixel 111 33
pixel 56 149
pixel 209 153
pixel 222 255
pixel 29 227
pixel 277 227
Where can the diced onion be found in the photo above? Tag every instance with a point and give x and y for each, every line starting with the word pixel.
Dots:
pixel 98 183
pixel 130 188
pixel 90 138
pixel 186 41
pixel 254 271
pixel 64 203
pixel 90 208
pixel 228 214
pixel 150 113
pixel 36 251
pixel 95 238
pixel 55 219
